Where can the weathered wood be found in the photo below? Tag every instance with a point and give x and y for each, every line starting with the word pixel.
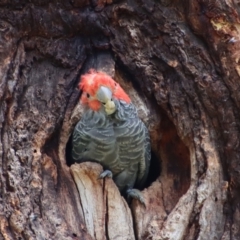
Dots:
pixel 106 213
pixel 179 62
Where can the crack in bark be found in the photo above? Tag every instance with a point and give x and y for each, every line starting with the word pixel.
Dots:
pixel 163 201
pixel 80 200
pixel 3 153
pixel 134 223
pixel 194 222
pixel 106 213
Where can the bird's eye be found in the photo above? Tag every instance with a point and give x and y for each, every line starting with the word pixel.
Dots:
pixel 88 95
pixel 103 103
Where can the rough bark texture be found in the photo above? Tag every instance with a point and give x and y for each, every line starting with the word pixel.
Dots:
pixel 179 62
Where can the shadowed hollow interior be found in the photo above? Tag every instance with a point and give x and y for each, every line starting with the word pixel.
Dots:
pixel 175 163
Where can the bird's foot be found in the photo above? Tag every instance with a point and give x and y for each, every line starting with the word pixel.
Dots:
pixel 106 173
pixel 135 193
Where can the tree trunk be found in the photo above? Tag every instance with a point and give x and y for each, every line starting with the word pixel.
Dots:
pixel 178 61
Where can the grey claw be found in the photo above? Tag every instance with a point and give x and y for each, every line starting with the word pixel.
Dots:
pixel 135 193
pixel 106 173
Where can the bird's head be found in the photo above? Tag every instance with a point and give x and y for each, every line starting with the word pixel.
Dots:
pixel 100 90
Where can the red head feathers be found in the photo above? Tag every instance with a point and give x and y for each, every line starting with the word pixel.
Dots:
pixel 90 83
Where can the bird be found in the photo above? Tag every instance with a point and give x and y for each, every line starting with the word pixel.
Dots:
pixel 111 134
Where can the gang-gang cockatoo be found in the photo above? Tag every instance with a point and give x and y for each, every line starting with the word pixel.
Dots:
pixel 111 133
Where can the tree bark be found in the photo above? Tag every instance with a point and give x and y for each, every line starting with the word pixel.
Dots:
pixel 178 61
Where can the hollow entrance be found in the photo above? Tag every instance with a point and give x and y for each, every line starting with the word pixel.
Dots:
pixel 170 162
pixel 176 167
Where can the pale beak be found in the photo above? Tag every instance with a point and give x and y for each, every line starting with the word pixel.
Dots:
pixel 104 95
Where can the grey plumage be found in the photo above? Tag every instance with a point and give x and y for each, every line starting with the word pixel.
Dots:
pixel 119 142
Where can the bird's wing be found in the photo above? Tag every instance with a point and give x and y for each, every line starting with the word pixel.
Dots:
pixel 134 148
pixel 80 140
pixel 145 163
pixel 93 139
